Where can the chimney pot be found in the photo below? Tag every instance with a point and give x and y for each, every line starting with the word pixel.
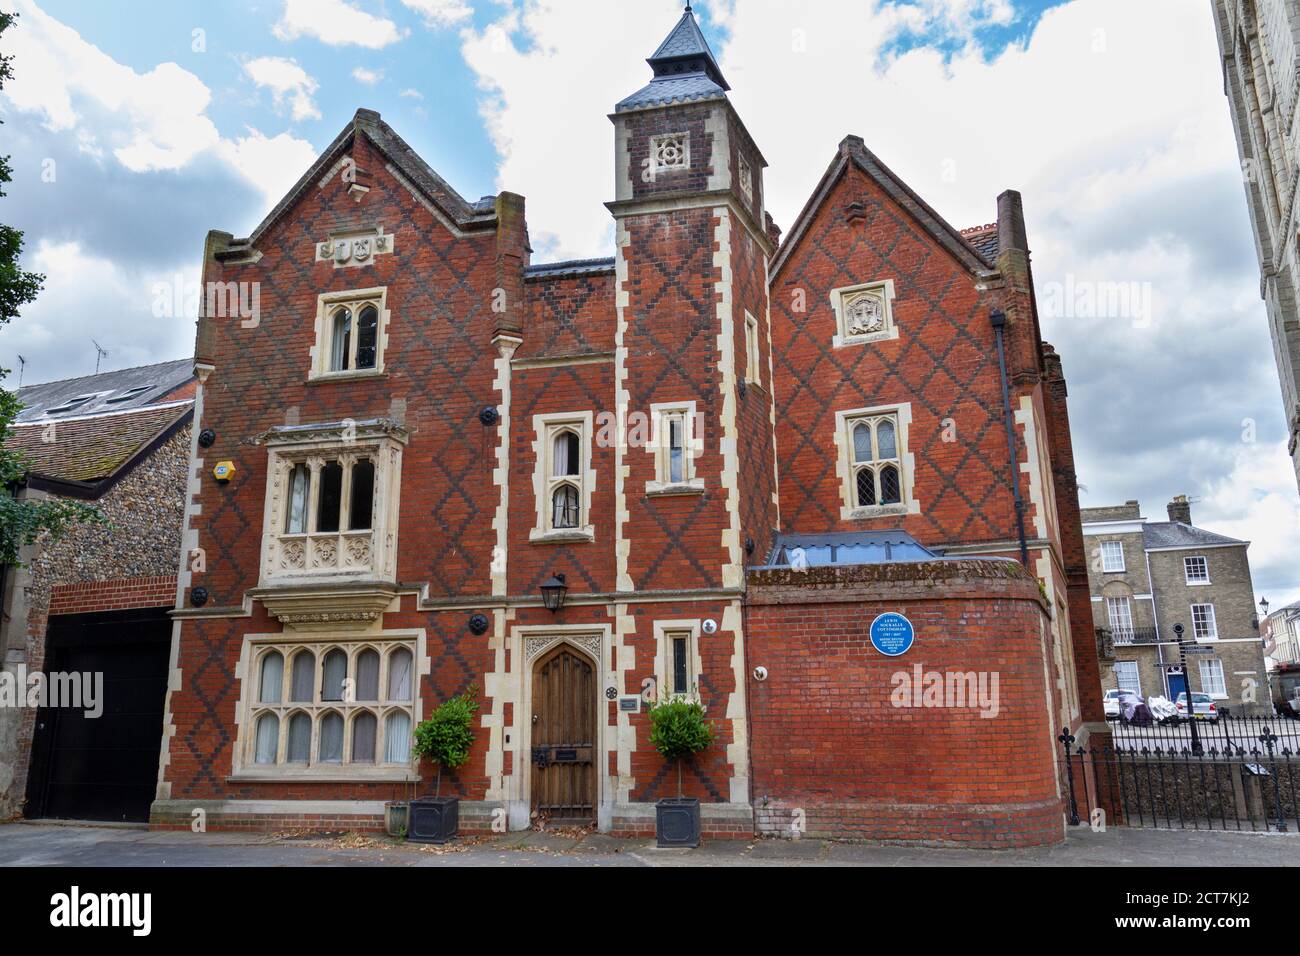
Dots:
pixel 1180 509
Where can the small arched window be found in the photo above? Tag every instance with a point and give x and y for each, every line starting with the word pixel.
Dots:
pixel 334 671
pixel 364 726
pixel 399 674
pixel 299 744
pixel 304 676
pixel 367 336
pixel 565 510
pixel 272 677
pixel 331 738
pixel 397 738
pixel 267 738
pixel 566 452
pixel 368 675
pixel 862 443
pixel 340 339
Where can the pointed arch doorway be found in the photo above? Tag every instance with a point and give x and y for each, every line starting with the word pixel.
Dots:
pixel 564 737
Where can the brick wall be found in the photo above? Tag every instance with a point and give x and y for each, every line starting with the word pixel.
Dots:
pixel 834 755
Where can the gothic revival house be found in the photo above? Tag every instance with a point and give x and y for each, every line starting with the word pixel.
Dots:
pixel 724 456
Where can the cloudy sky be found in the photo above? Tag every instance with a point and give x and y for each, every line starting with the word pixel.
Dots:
pixel 137 127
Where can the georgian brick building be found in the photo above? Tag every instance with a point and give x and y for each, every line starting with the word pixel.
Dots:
pixel 737 453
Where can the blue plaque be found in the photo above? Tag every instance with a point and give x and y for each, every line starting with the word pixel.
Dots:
pixel 892 634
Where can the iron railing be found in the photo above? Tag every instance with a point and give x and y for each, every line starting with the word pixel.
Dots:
pixel 1228 782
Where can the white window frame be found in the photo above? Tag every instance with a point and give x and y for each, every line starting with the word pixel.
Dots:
pixel 1212 682
pixel 753 353
pixel 656 143
pixel 843 443
pixel 840 301
pixel 1211 632
pixel 665 632
pixel 662 415
pixel 1106 566
pixel 1121 631
pixel 311 555
pixel 354 299
pixel 1137 675
pixel 545 481
pixel 1199 581
pixel 251 708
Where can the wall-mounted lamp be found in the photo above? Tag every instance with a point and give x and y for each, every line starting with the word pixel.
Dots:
pixel 553 592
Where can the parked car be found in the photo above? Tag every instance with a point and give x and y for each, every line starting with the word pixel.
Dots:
pixel 1110 701
pixel 1202 706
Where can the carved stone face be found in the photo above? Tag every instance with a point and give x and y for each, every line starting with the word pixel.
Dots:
pixel 361 249
pixel 865 314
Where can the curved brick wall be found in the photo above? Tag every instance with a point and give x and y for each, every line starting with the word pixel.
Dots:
pixel 834 755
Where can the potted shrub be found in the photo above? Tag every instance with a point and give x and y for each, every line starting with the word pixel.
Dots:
pixel 445 739
pixel 678 731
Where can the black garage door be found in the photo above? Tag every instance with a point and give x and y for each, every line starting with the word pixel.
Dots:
pixel 103 768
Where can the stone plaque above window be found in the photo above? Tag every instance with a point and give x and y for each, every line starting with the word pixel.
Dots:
pixel 355 249
pixel 864 313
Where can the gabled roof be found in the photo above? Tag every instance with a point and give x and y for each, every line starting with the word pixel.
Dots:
pixel 1175 534
pixel 117 390
pixel 853 151
pixel 93 452
pixel 465 215
pixel 685 70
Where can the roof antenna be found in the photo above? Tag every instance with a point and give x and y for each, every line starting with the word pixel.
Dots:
pixel 22 367
pixel 100 353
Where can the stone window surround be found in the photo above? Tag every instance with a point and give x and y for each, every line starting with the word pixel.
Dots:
pixel 656 145
pixel 839 301
pixel 378 440
pixel 1203 577
pixel 843 444
pixel 660 414
pixel 320 351
pixel 665 631
pixel 753 353
pixel 248 676
pixel 746 179
pixel 545 428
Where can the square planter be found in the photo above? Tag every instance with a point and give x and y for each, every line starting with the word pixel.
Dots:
pixel 433 819
pixel 677 822
pixel 395 819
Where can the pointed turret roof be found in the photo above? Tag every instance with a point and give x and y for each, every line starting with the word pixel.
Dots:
pixel 685 69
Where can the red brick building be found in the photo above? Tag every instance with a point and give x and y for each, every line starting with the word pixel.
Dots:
pixel 425 427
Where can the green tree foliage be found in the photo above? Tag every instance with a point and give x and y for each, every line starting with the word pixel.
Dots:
pixel 679 731
pixel 447 736
pixel 22 522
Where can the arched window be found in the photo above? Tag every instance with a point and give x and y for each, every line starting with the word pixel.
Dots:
pixel 368 675
pixel 363 737
pixel 304 675
pixel 295 518
pixel 367 336
pixel 866 488
pixel 331 738
pixel 885 440
pixel 399 674
pixel 862 443
pixel 272 677
pixel 363 495
pixel 566 452
pixel 565 511
pixel 334 670
pixel 299 745
pixel 875 466
pixel 340 339
pixel 267 738
pixel 397 738
pixel 891 489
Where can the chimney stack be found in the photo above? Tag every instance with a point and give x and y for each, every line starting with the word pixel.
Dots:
pixel 1180 509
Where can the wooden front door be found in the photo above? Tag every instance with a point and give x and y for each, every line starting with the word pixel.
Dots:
pixel 564 737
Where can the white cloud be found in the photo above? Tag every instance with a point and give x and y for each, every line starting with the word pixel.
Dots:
pixel 441 13
pixel 272 163
pixel 287 81
pixel 149 121
pixel 368 77
pixel 336 23
pixel 411 94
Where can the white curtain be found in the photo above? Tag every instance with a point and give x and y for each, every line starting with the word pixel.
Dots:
pixel 368 676
pixel 399 675
pixel 304 675
pixel 363 738
pixel 296 518
pixel 339 345
pixel 268 738
pixel 397 738
pixel 272 677
pixel 331 739
pixel 335 670
pixel 563 463
pixel 299 749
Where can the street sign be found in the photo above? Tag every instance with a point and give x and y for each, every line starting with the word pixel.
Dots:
pixel 1197 649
